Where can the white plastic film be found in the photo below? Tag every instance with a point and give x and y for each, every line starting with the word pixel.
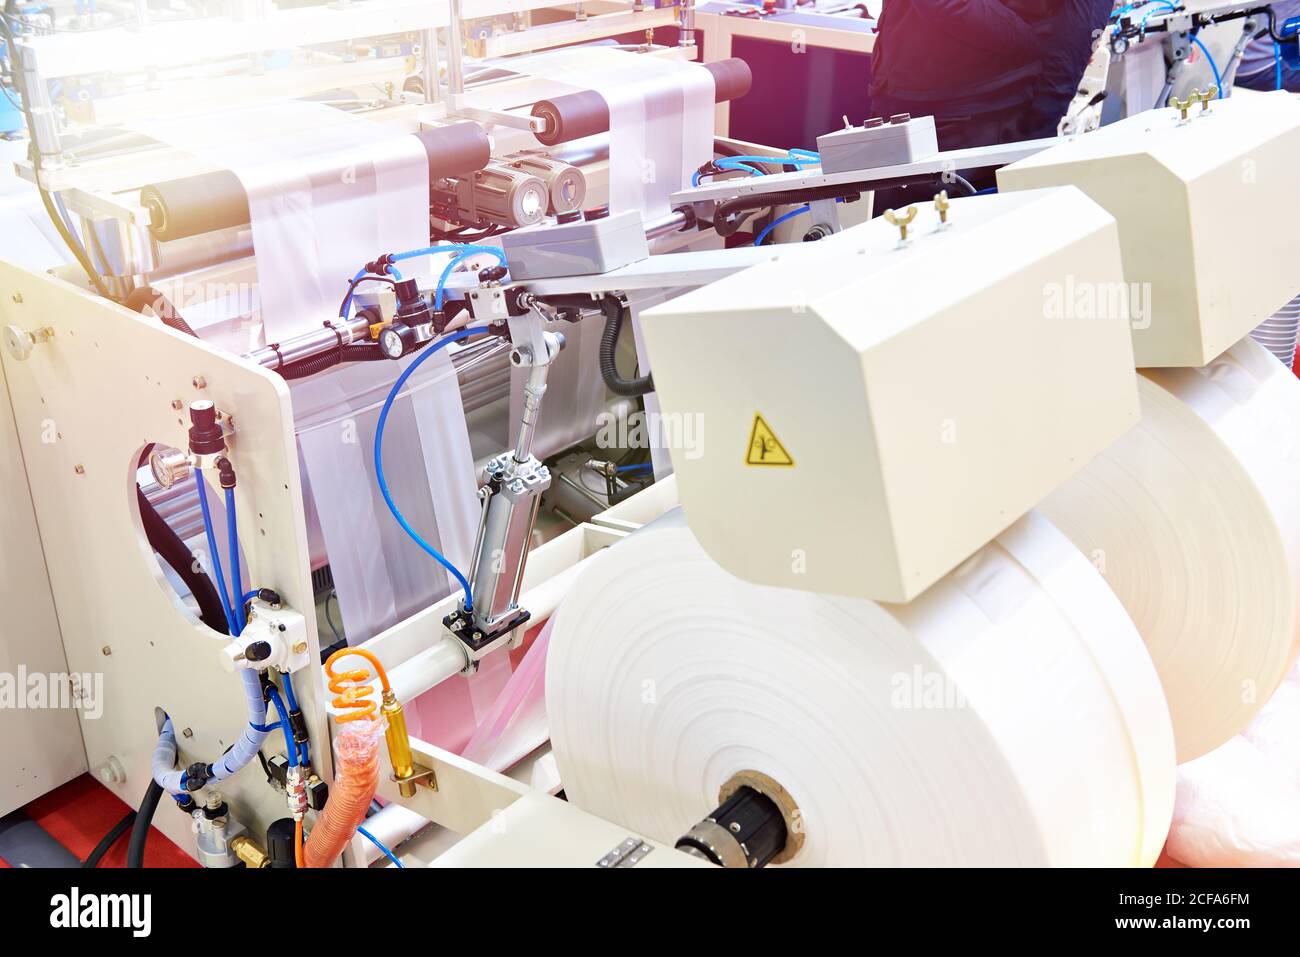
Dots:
pixel 1193 517
pixel 1236 805
pixel 1009 715
pixel 327 193
pixel 661 130
pixel 381 575
pixel 660 117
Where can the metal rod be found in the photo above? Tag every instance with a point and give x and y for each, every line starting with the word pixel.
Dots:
pixel 455 51
pixel 533 393
pixel 673 222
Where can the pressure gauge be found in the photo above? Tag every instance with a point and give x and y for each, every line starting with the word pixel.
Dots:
pixel 396 340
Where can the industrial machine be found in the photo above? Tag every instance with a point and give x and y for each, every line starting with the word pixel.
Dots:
pixel 422 411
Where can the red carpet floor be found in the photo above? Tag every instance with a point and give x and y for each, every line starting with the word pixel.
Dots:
pixel 81 812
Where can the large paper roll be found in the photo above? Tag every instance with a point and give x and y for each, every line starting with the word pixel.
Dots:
pixel 1193 517
pixel 1009 715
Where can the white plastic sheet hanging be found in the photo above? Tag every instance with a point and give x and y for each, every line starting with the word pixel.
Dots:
pixel 1009 715
pixel 660 117
pixel 1194 519
pixel 327 193
pixel 1236 805
pixel 380 574
pixel 661 129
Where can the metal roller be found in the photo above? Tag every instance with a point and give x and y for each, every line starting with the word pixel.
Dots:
pixel 585 113
pixel 186 207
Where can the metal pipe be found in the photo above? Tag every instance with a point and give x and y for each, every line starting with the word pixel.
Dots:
pixel 455 51
pixel 430 78
pixel 686 38
pixel 201 252
pixel 672 222
pixel 45 133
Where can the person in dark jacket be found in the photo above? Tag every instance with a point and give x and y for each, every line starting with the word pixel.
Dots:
pixel 988 71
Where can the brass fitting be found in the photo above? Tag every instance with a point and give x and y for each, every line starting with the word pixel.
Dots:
pixel 941 206
pixel 399 744
pixel 902 222
pixel 248 851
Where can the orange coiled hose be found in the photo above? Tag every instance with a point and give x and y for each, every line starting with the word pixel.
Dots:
pixel 352 694
pixel 356 760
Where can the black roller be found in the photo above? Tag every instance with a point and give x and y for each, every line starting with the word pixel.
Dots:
pixel 180 208
pixel 196 204
pixel 456 149
pixel 585 113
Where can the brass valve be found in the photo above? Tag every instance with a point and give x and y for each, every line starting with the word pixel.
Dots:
pixel 399 744
pixel 902 222
pixel 250 852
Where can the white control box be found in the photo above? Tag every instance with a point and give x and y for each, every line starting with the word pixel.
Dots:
pixel 581 247
pixel 879 142
pixel 859 415
pixel 1207 208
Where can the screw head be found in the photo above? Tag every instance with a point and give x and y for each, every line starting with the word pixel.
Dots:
pixel 177 404
pixel 187 733
pixel 106 651
pixel 18 298
pixel 199 382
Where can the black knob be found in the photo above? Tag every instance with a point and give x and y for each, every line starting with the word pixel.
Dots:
pixel 279 843
pixel 257 651
pixel 596 212
pixel 492 274
pixel 570 216
pixel 206 437
pixel 408 292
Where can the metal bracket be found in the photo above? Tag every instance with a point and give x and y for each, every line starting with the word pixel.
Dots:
pixel 419 775
pixel 629 853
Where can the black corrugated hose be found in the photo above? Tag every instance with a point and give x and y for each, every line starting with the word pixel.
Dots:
pixel 615 310
pixel 163 539
pixel 147 297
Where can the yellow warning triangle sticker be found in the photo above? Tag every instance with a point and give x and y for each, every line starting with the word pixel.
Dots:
pixel 764 447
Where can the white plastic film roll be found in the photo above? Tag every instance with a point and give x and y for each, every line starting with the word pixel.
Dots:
pixel 1008 716
pixel 1193 517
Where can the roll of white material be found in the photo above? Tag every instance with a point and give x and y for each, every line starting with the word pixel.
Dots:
pixel 1193 517
pixel 1008 716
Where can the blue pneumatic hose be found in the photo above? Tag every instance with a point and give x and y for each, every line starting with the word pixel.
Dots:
pixel 379 461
